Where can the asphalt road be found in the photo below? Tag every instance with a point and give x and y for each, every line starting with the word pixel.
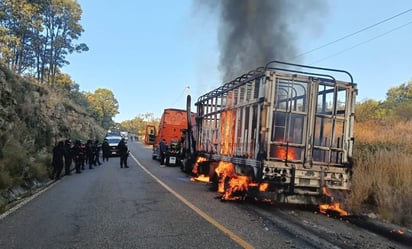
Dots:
pixel 148 206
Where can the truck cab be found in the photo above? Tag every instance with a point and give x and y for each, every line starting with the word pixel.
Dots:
pixel 172 122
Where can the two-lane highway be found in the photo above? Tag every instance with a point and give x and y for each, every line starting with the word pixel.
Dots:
pixel 109 207
pixel 148 206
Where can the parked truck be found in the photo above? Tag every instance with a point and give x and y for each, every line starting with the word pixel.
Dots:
pixel 282 132
pixel 172 124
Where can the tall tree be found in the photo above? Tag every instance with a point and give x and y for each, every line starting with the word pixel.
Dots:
pixel 37 35
pixel 64 81
pixel 399 94
pixel 399 101
pixel 138 124
pixel 104 106
pixel 61 22
pixel 369 110
pixel 19 21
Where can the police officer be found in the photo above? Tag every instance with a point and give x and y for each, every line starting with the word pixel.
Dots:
pixel 105 150
pixel 57 161
pixel 78 155
pixel 67 156
pixel 163 150
pixel 97 148
pixel 90 153
pixel 83 155
pixel 124 153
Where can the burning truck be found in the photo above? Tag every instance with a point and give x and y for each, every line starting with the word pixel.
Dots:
pixel 282 132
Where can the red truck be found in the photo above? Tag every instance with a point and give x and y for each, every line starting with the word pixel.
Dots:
pixel 172 124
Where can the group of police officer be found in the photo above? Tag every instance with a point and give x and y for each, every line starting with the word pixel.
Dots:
pixel 82 154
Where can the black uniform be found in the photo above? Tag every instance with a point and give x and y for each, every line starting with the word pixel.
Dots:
pixel 90 153
pixel 163 151
pixel 83 155
pixel 97 148
pixel 78 156
pixel 124 153
pixel 106 150
pixel 67 156
pixel 57 162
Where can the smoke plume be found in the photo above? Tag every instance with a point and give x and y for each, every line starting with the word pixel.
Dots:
pixel 253 32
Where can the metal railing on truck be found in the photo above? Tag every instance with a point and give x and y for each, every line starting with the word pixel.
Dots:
pixel 292 124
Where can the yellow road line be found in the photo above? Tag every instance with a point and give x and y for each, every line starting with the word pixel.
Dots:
pixel 212 221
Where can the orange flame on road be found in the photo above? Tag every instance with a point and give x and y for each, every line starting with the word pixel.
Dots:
pixel 200 178
pixel 334 206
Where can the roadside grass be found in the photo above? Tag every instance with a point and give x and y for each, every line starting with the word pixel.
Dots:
pixel 382 177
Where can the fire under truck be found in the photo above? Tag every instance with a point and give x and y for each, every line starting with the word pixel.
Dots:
pixel 282 132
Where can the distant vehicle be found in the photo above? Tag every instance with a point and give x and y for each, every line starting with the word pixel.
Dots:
pixel 150 135
pixel 113 145
pixel 113 133
pixel 124 134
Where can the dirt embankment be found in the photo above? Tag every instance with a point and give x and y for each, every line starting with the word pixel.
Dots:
pixel 33 117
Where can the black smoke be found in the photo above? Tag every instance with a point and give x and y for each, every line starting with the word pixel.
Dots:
pixel 253 32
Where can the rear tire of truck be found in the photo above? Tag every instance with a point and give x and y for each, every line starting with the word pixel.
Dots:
pixel 214 180
pixel 185 166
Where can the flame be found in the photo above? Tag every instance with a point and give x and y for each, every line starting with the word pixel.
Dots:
pixel 285 152
pixel 235 187
pixel 398 231
pixel 227 127
pixel 196 165
pixel 224 170
pixel 238 186
pixel 230 184
pixel 227 132
pixel 200 178
pixel 334 206
pixel 263 187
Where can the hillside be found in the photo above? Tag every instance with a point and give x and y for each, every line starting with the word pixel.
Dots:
pixel 33 118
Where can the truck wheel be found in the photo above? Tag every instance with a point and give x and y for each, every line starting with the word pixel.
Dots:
pixel 184 166
pixel 214 180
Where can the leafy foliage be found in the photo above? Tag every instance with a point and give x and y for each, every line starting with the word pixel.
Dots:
pixel 382 176
pixel 397 106
pixel 138 124
pixel 104 106
pixel 36 36
pixel 33 117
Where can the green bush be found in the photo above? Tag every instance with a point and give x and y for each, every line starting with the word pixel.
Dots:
pixel 5 179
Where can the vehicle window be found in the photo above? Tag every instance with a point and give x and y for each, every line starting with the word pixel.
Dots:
pixel 113 140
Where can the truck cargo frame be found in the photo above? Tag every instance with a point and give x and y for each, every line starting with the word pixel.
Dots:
pixel 287 126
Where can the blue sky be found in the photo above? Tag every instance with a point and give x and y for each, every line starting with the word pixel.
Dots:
pixel 148 52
